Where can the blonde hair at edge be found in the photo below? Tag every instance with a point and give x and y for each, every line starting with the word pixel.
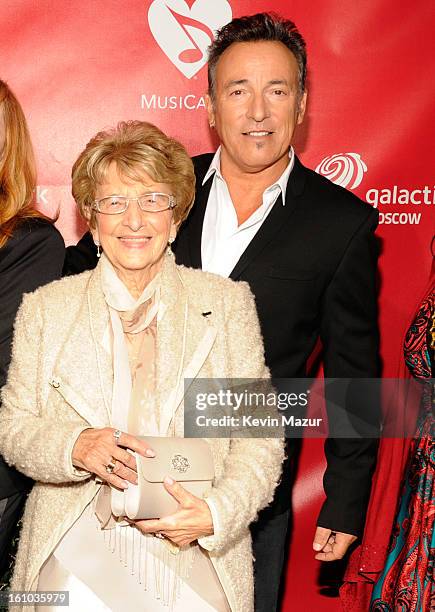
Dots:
pixel 136 147
pixel 17 167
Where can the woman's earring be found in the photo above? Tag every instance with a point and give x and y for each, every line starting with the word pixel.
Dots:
pixel 170 241
pixel 98 250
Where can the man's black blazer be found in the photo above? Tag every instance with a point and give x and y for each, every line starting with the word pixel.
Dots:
pixel 312 269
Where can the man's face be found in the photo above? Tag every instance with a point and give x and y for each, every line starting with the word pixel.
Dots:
pixel 257 105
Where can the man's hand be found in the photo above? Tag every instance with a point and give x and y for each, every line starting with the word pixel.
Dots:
pixel 191 521
pixel 331 545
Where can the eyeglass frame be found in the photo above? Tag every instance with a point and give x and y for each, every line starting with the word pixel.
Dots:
pixel 171 203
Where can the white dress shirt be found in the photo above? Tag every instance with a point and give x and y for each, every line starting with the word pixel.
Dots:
pixel 223 240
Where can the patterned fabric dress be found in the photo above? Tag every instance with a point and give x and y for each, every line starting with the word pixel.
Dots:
pixel 408 580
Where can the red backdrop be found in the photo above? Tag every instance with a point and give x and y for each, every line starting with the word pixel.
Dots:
pixel 78 67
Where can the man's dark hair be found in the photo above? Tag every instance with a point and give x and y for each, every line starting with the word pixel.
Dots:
pixel 256 28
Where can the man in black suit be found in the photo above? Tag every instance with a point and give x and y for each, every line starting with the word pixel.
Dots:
pixel 305 246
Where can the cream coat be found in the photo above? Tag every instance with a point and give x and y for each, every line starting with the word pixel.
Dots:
pixel 60 382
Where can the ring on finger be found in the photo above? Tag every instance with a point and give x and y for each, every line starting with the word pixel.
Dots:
pixel 117 434
pixel 159 535
pixel 110 467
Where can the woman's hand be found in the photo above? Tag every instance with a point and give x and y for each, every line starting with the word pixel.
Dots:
pixel 192 520
pixel 95 449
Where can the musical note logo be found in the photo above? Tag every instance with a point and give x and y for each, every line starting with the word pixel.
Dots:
pixel 195 54
pixel 184 29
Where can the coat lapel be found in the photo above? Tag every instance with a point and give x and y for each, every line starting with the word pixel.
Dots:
pixel 271 226
pixel 184 340
pixel 196 222
pixel 83 372
pixel 274 221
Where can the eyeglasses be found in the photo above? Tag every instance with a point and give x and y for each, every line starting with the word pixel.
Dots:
pixel 148 202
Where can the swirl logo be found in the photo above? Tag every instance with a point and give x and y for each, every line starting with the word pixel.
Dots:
pixel 345 169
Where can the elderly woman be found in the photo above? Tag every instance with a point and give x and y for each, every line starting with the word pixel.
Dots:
pixel 98 360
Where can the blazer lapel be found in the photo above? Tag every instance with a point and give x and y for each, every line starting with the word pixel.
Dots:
pixel 184 340
pixel 274 221
pixel 83 372
pixel 196 222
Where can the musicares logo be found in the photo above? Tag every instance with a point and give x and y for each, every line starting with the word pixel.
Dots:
pixel 345 169
pixel 184 29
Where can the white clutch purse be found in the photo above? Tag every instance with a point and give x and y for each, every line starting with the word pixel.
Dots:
pixel 189 461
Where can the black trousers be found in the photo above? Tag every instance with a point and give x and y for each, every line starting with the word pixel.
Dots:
pixel 11 509
pixel 270 539
pixel 271 536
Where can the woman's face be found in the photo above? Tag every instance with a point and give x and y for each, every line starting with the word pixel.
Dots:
pixel 134 241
